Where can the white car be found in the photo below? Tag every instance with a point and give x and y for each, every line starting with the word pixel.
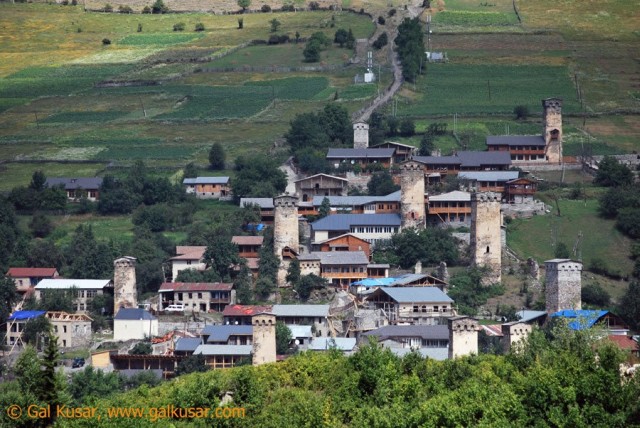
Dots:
pixel 178 307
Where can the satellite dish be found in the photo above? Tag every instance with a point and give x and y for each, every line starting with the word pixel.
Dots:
pixel 297 342
pixel 352 162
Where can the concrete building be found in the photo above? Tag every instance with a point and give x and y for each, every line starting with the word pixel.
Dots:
pixel 27 278
pixel 373 228
pixel 412 305
pixel 552 129
pixel 463 337
pixel 85 290
pixel 486 245
pixel 363 157
pixel 514 333
pixel 208 187
pixel 125 292
pixel 188 257
pixel 320 185
pixel 563 285
pixel 72 330
pixel 134 323
pixel 286 233
pixel 412 200
pixel 16 323
pixel 197 296
pixel 264 338
pixel 360 135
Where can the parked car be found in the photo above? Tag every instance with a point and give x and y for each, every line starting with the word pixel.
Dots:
pixel 176 307
pixel 77 362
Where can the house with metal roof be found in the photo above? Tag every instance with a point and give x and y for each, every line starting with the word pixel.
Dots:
pixel 411 336
pixel 403 152
pixel 387 204
pixel 522 148
pixel 369 285
pixel 197 296
pixel 341 268
pixel 347 345
pixel 208 187
pixel 346 242
pixel 134 323
pixel 452 209
pixel 266 207
pixel 224 356
pixel 464 161
pixel 362 157
pixel 85 290
pixel 373 228
pixel 582 319
pixel 77 188
pixel 187 257
pixel 320 185
pixel 227 334
pixel 186 345
pixel 412 305
pixel 16 323
pixel 314 316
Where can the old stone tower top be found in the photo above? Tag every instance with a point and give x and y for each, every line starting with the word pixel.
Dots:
pixel 486 245
pixel 264 338
pixel 412 200
pixel 563 285
pixel 463 336
pixel 360 135
pixel 552 129
pixel 125 293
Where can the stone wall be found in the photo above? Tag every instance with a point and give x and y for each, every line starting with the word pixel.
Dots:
pixel 563 285
pixel 463 336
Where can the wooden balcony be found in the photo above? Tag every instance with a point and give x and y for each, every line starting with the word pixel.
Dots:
pixel 449 210
pixel 344 274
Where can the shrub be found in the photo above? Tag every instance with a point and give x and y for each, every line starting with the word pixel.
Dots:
pixel 392 12
pixel 146 9
pixel 106 41
pixel 179 26
pixel 265 8
pixel 381 20
pixel 288 8
pixel 64 2
pixel 199 26
pixel 124 9
pixel 314 5
pixel 381 41
pixel 159 7
pixel 139 28
pixel 240 23
pixel 74 2
pixel 521 112
pixel 79 30
pixel 107 8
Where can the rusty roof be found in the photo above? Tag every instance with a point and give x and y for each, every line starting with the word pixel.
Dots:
pixel 17 272
pixel 245 310
pixel 247 240
pixel 624 342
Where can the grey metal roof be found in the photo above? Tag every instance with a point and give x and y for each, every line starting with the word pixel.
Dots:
pixel 339 222
pixel 438 160
pixel 468 159
pixel 360 153
pixel 417 294
pixel 206 180
pixel 488 175
pixel 438 354
pixel 356 200
pixel 455 196
pixel 300 311
pixel 261 202
pixel 422 331
pixel 338 257
pixel 339 343
pixel 515 140
pixel 86 183
pixel 65 284
pixel 300 330
pixel 322 174
pixel 132 314
pixel 408 279
pixel 221 333
pixel 244 350
pixel 187 344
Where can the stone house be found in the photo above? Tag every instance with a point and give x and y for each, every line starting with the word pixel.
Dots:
pixel 16 323
pixel 320 185
pixel 363 157
pixel 197 296
pixel 208 187
pixel 188 257
pixel 452 209
pixel 72 330
pixel 341 268
pixel 373 228
pixel 412 305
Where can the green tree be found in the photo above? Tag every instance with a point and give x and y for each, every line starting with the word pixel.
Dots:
pixel 351 40
pixel 427 145
pixel 242 285
pixel 217 157
pixel 307 284
pixel 89 384
pixel 627 222
pixel 341 37
pixel 141 348
pixel 52 386
pixel 312 51
pixel 595 295
pixel 293 272
pixel 611 173
pixel 221 256
pixel 34 331
pixel 325 208
pixel 336 122
pixel 381 184
pixel 264 288
pixel 192 364
pixel 629 307
pixel 258 176
pixel 283 338
pixel 8 298
pixel 275 24
pixel 40 225
pixel 38 180
pixel 27 370
pixel 410 47
pixel 521 112
pixel 407 128
pixel 244 4
pixel 562 251
pixel 58 300
pixel 306 131
pixel 159 7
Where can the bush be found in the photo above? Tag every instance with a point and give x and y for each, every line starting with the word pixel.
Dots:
pixel 288 8
pixel 521 112
pixel 106 41
pixel 179 26
pixel 74 2
pixel 594 294
pixel 240 23
pixel 381 41
pixel 64 2
pixel 159 7
pixel 139 28
pixel 392 12
pixel 381 20
pixel 199 26
pixel 107 8
pixel 314 5
pixel 146 9
pixel 265 8
pixel 124 9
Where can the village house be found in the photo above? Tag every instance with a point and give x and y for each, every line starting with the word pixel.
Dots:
pixel 368 285
pixel 362 157
pixel 208 187
pixel 78 188
pixel 188 257
pixel 185 346
pixel 451 209
pixel 346 345
pixel 197 296
pixel 429 340
pixel 224 356
pixel 248 246
pixel 310 315
pixel 267 209
pixel 388 204
pixel 85 290
pixel 374 228
pixel 412 305
pixel 464 161
pixel 402 152
pixel 487 181
pixel 134 323
pixel 27 278
pixel 341 268
pixel 522 148
pixel 72 330
pixel 227 334
pixel 15 325
pixel 320 185
pixel 346 242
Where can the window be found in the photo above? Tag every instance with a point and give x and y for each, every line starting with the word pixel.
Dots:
pixel 415 309
pixel 199 295
pixel 487 249
pixel 64 328
pixel 179 296
pixel 188 262
pixel 190 295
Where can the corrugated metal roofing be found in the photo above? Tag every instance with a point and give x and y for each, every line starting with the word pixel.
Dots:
pixel 300 330
pixel 187 344
pixel 244 310
pixel 360 153
pixel 85 183
pixel 206 180
pixel 322 174
pixel 527 315
pixel 440 332
pixel 16 272
pixel 64 284
pixel 195 286
pixel 438 354
pixel 317 311
pixel 130 314
pixel 338 257
pixel 244 350
pixel 515 140
pixel 221 333
pixel 326 343
pixel 468 159
pixel 341 201
pixel 338 222
pixel 374 282
pixel 455 196
pixel 417 294
pixel 488 175
pixel 25 315
pixel 266 203
pixel 247 240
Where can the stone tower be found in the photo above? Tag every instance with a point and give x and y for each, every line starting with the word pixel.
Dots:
pixel 412 195
pixel 563 285
pixel 360 135
pixel 285 232
pixel 552 129
pixel 513 333
pixel 125 293
pixel 486 245
pixel 463 336
pixel 264 338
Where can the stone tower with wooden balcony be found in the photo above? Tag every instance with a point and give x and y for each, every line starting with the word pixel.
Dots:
pixel 285 232
pixel 412 201
pixel 552 129
pixel 486 243
pixel 125 293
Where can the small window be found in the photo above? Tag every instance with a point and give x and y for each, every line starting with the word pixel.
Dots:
pixel 487 249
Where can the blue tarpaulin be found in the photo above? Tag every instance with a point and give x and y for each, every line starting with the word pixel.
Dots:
pixel 580 319
pixel 25 315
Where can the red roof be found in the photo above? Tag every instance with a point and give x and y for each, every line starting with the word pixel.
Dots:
pixel 189 253
pixel 624 342
pixel 195 286
pixel 244 310
pixel 247 240
pixel 32 272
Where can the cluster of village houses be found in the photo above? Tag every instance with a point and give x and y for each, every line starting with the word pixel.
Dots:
pixel 405 312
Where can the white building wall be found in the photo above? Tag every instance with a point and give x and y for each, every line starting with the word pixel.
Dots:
pixel 134 329
pixel 178 265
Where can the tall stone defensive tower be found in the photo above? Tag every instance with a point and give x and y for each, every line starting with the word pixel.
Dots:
pixel 552 129
pixel 360 135
pixel 264 338
pixel 486 245
pixel 514 332
pixel 463 336
pixel 412 195
pixel 125 293
pixel 285 232
pixel 563 285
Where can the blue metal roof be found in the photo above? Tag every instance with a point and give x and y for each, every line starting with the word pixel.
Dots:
pixel 356 200
pixel 582 318
pixel 206 180
pixel 221 333
pixel 25 315
pixel 375 282
pixel 129 314
pixel 345 221
pixel 416 294
pixel 188 344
